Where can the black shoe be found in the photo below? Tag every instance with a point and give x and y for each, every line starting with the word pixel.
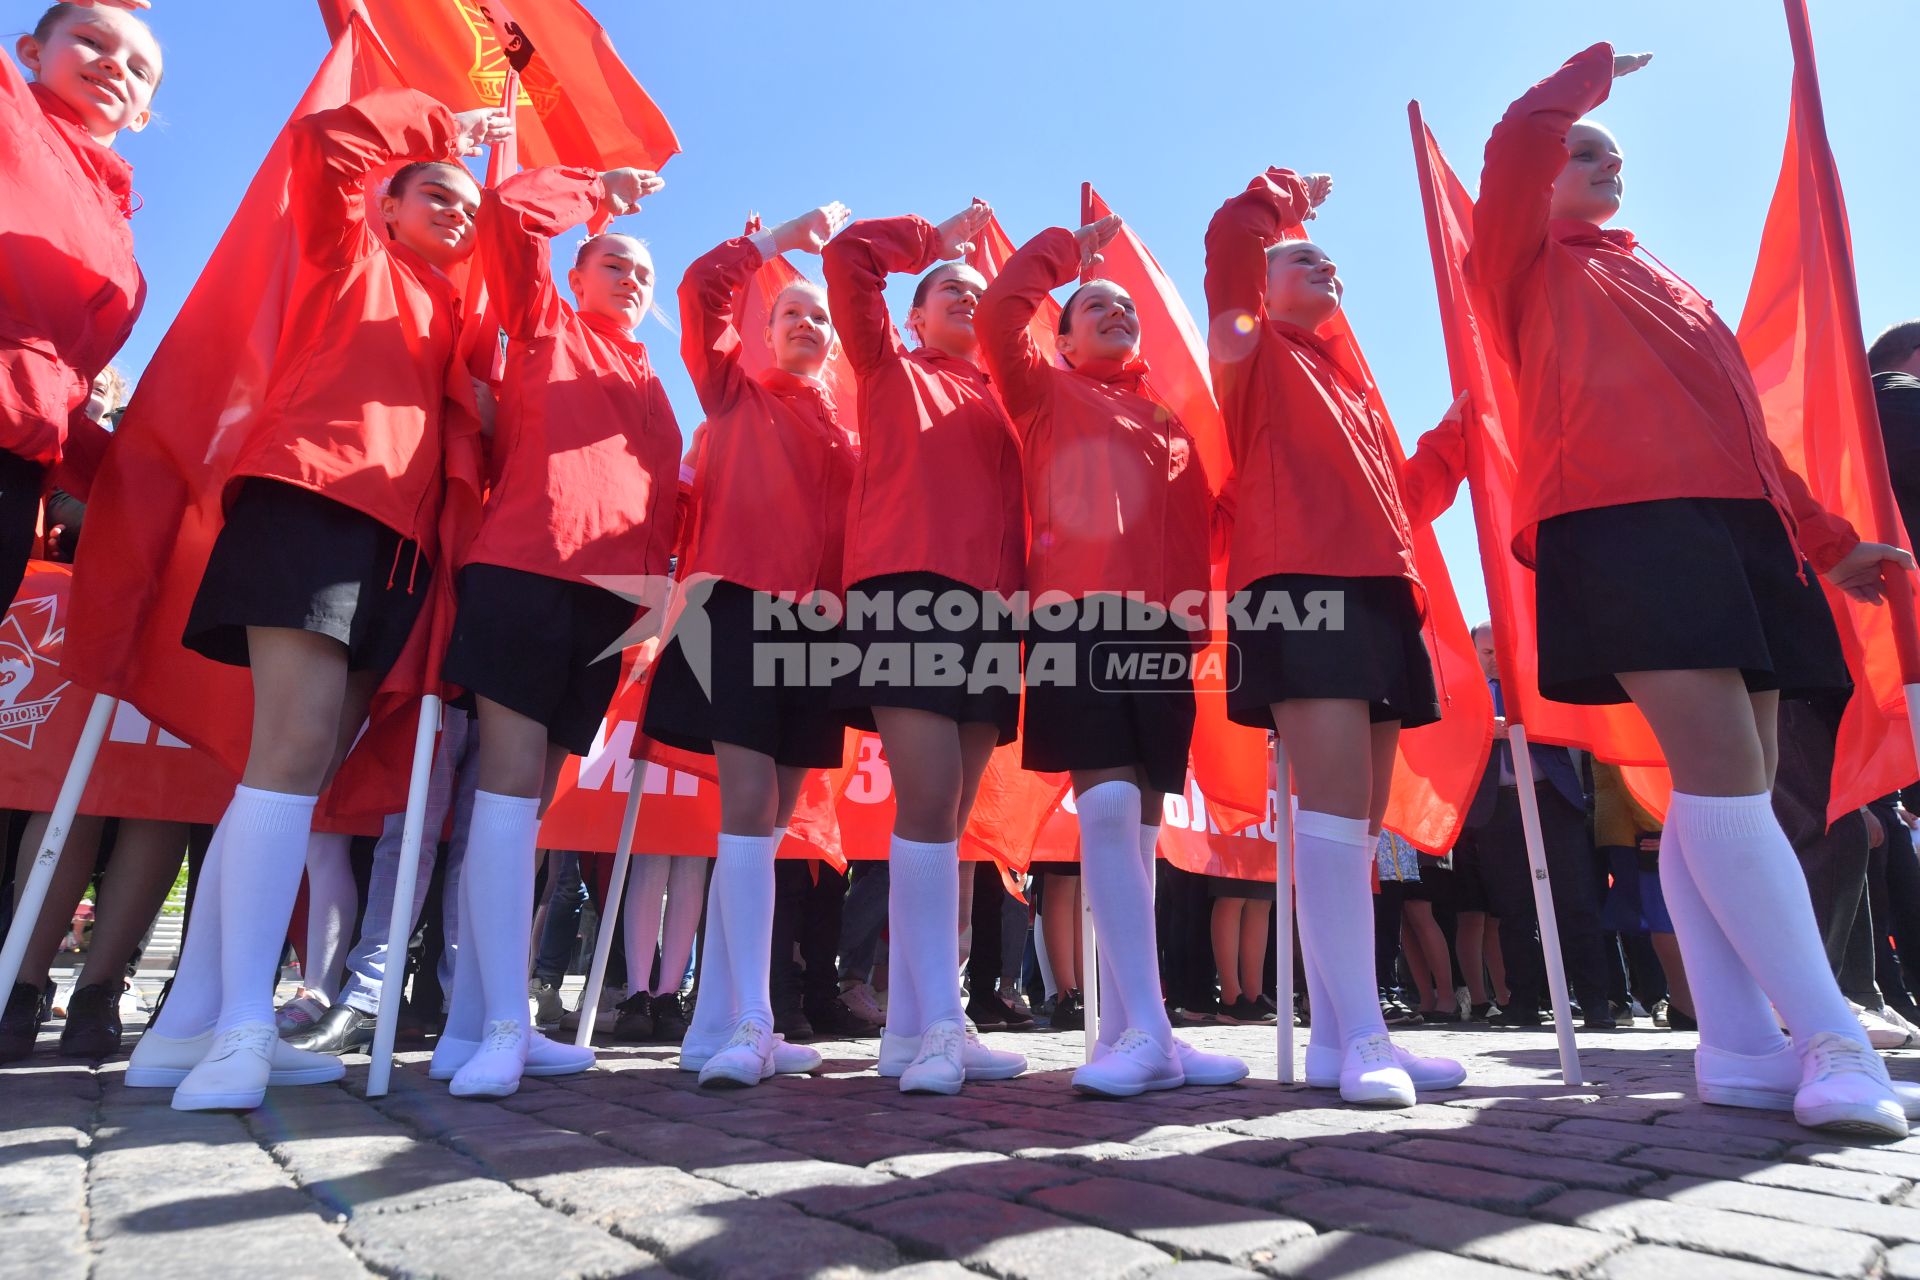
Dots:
pixel 1622 1013
pixel 93 1022
pixel 635 1023
pixel 1244 1012
pixel 669 1019
pixel 1441 1016
pixel 1678 1021
pixel 341 1029
pixel 1182 1017
pixel 990 1013
pixel 1516 1018
pixel 27 1008
pixel 1395 1013
pixel 795 1026
pixel 1069 1012
pixel 833 1019
pixel 1600 1022
pixel 1481 1012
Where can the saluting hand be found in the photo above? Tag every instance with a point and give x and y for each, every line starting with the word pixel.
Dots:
pixel 626 188
pixel 1862 574
pixel 956 236
pixel 1094 237
pixel 1319 187
pixel 810 232
pixel 476 130
pixel 1625 64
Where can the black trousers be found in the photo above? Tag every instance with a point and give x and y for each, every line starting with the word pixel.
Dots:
pixel 806 915
pixel 1834 859
pixel 989 907
pixel 19 511
pixel 1499 858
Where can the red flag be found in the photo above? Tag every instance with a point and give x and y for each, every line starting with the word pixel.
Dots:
pixel 157 507
pixel 1802 337
pixel 585 106
pixel 989 253
pixel 1617 733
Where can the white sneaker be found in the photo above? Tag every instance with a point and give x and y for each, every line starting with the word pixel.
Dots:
pixel 746 1060
pixel 1371 1074
pixel 861 998
pixel 1844 1086
pixel 233 1076
pixel 301 1012
pixel 495 1069
pixel 788 1059
pixel 611 994
pixel 1883 1031
pixel 939 1067
pixel 1462 1002
pixel 163 1062
pixel 547 1009
pixel 544 1057
pixel 1768 1081
pixel 898 1052
pixel 1208 1068
pixel 1132 1065
pixel 1323 1069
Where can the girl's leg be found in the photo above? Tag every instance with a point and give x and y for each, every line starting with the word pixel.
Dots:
pixel 1120 892
pixel 929 778
pixel 1060 921
pixel 1423 982
pixel 1469 933
pixel 1226 948
pixel 70 876
pixel 686 885
pixel 640 915
pixel 146 858
pixel 333 904
pixel 1495 961
pixel 1425 941
pixel 735 961
pixel 1253 948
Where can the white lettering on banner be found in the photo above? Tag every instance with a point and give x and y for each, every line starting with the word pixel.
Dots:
pixel 872 781
pixel 131 725
pixel 30 681
pixel 610 761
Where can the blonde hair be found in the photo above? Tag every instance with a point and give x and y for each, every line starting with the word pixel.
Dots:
pixel 114 387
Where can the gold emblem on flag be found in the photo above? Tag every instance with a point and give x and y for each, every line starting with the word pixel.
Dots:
pixel 538 87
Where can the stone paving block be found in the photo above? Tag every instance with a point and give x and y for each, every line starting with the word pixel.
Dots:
pixel 43 1248
pixel 986 1172
pixel 244 1250
pixel 1011 1241
pixel 606 1197
pixel 1007 1141
pixel 1220 1144
pixel 1902 1263
pixel 142 1190
pixel 860 1146
pixel 1660 1262
pixel 1660 1135
pixel 1305 1128
pixel 1820 1250
pixel 1777 1126
pixel 352 1176
pixel 1566 1170
pixel 1453 1228
pixel 1347 1255
pixel 512 1236
pixel 43 1179
pixel 1204 1271
pixel 1893 1224
pixel 685 1146
pixel 1468 1186
pixel 1205 1176
pixel 1184 1225
pixel 921 1124
pixel 1770 1173
pixel 764 1122
pixel 758 1240
pixel 534 1155
pixel 1537 1141
pixel 1894 1164
pixel 947 1271
pixel 779 1177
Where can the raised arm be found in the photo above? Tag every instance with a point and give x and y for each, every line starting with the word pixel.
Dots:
pixel 1825 537
pixel 1019 370
pixel 857 264
pixel 1430 481
pixel 1238 236
pixel 335 151
pixel 1526 153
pixel 518 221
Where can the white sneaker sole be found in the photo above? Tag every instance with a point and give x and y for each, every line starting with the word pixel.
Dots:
pixel 1098 1089
pixel 1872 1119
pixel 244 1100
pixel 724 1075
pixel 489 1089
pixel 945 1088
pixel 171 1077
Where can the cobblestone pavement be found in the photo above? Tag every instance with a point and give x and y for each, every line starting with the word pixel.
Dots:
pixel 632 1170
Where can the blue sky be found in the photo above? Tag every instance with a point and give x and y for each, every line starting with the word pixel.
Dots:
pixel 1167 108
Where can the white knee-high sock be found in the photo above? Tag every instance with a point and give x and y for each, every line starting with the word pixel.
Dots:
pixel 1331 856
pixel 923 905
pixel 1121 898
pixel 466 1004
pixel 333 902
pixel 1734 1013
pixel 1324 1033
pixel 1115 1014
pixel 686 887
pixel 1747 874
pixel 640 915
pixel 739 908
pixel 499 899
pixel 193 1002
pixel 259 879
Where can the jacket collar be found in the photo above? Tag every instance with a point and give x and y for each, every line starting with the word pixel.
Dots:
pixel 953 364
pixel 1128 375
pixel 1578 231
pixel 1335 350
pixel 105 165
pixel 613 332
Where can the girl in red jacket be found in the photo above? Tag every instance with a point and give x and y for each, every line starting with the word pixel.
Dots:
pixel 318 572
pixel 1668 537
pixel 1121 513
pixel 770 503
pixel 69 287
pixel 589 467
pixel 1327 608
pixel 935 543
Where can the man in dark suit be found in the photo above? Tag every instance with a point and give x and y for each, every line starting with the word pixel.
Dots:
pixel 1493 847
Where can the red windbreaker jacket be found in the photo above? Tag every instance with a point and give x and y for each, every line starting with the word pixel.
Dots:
pixel 1631 387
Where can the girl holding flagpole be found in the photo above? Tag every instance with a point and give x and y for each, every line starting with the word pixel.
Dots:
pixel 317 575
pixel 774 468
pixel 1670 542
pixel 935 545
pixel 1327 608
pixel 1121 517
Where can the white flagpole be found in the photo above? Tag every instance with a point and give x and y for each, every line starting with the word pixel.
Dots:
pixel 399 924
pixel 610 912
pixel 1283 912
pixel 1089 969
pixel 1543 904
pixel 33 895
